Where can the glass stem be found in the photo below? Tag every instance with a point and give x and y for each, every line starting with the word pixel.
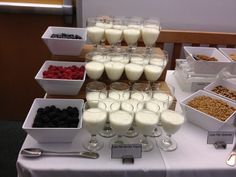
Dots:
pixel 167 139
pixel 144 139
pixel 93 139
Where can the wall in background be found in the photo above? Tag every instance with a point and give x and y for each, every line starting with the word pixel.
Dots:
pixel 203 15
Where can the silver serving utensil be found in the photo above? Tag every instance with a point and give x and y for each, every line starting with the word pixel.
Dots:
pixel 37 152
pixel 231 161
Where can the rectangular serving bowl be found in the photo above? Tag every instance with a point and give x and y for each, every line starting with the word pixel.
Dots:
pixel 227 52
pixel 204 120
pixel 227 84
pixel 59 86
pixel 207 67
pixel 63 46
pixel 59 135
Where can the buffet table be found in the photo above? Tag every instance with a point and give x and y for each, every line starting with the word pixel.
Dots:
pixel 194 157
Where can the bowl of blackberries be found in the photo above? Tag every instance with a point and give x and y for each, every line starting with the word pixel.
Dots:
pixel 61 77
pixel 54 120
pixel 65 40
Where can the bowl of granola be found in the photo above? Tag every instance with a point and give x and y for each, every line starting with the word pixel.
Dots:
pixel 209 111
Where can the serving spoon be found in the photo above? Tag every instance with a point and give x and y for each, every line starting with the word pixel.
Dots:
pixel 37 152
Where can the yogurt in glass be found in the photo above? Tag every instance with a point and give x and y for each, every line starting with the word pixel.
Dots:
pixel 94 69
pixel 94 120
pixel 95 34
pixel 114 70
pixel 171 121
pixel 152 72
pixel 120 121
pixel 133 71
pixel 113 35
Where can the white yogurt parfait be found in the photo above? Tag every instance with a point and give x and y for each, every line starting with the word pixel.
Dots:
pixel 94 69
pixel 114 70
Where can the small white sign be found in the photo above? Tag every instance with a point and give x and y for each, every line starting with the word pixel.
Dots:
pixel 126 150
pixel 220 136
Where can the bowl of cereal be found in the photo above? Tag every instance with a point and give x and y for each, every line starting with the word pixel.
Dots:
pixel 223 88
pixel 206 60
pixel 231 54
pixel 209 111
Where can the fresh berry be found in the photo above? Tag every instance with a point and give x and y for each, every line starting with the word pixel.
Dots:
pixel 51 116
pixel 66 36
pixel 59 72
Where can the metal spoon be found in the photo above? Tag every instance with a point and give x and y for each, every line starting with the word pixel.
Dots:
pixel 37 152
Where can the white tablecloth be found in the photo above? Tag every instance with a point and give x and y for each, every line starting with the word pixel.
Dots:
pixel 193 158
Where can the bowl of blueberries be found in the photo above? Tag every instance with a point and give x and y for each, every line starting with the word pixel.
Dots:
pixel 54 120
pixel 65 40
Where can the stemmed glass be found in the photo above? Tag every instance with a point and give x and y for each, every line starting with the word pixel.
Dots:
pixel 132 33
pixel 95 91
pixel 114 34
pixel 141 91
pixel 108 105
pixel 171 123
pixel 121 26
pixel 133 72
pixel 120 122
pixel 94 69
pixel 95 33
pixel 104 22
pixel 159 59
pixel 150 33
pixel 146 121
pixel 93 120
pixel 132 106
pixel 119 91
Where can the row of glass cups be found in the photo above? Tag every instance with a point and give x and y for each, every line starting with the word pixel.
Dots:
pixel 122 112
pixel 134 65
pixel 130 29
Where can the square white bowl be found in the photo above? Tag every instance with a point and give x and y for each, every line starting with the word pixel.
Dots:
pixel 59 86
pixel 227 52
pixel 207 67
pixel 62 46
pixel 62 135
pixel 227 84
pixel 204 120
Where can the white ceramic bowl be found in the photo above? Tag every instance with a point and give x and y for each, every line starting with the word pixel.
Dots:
pixel 59 86
pixel 52 134
pixel 207 67
pixel 204 120
pixel 227 84
pixel 227 52
pixel 62 46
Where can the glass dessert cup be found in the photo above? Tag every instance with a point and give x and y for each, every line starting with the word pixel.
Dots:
pixel 93 120
pixel 113 35
pixel 104 22
pixel 141 91
pixel 114 70
pixel 171 123
pixel 131 106
pixel 152 73
pixel 159 59
pixel 120 122
pixel 108 105
pixel 119 91
pixel 94 69
pixel 121 57
pixel 95 91
pixel 150 33
pixel 132 33
pixel 94 32
pixel 162 107
pixel 101 57
pixel 146 121
pixel 133 72
pixel 164 92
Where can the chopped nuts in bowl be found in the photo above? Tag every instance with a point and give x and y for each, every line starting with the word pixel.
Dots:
pixel 209 111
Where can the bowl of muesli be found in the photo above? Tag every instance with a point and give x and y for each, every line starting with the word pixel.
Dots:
pixel 209 111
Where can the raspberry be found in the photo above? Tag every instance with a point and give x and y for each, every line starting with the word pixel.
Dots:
pixel 60 72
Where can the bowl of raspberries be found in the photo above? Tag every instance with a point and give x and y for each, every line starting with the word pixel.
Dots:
pixel 65 40
pixel 61 77
pixel 54 120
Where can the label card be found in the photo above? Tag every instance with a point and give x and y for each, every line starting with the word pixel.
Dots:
pixel 126 150
pixel 220 136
